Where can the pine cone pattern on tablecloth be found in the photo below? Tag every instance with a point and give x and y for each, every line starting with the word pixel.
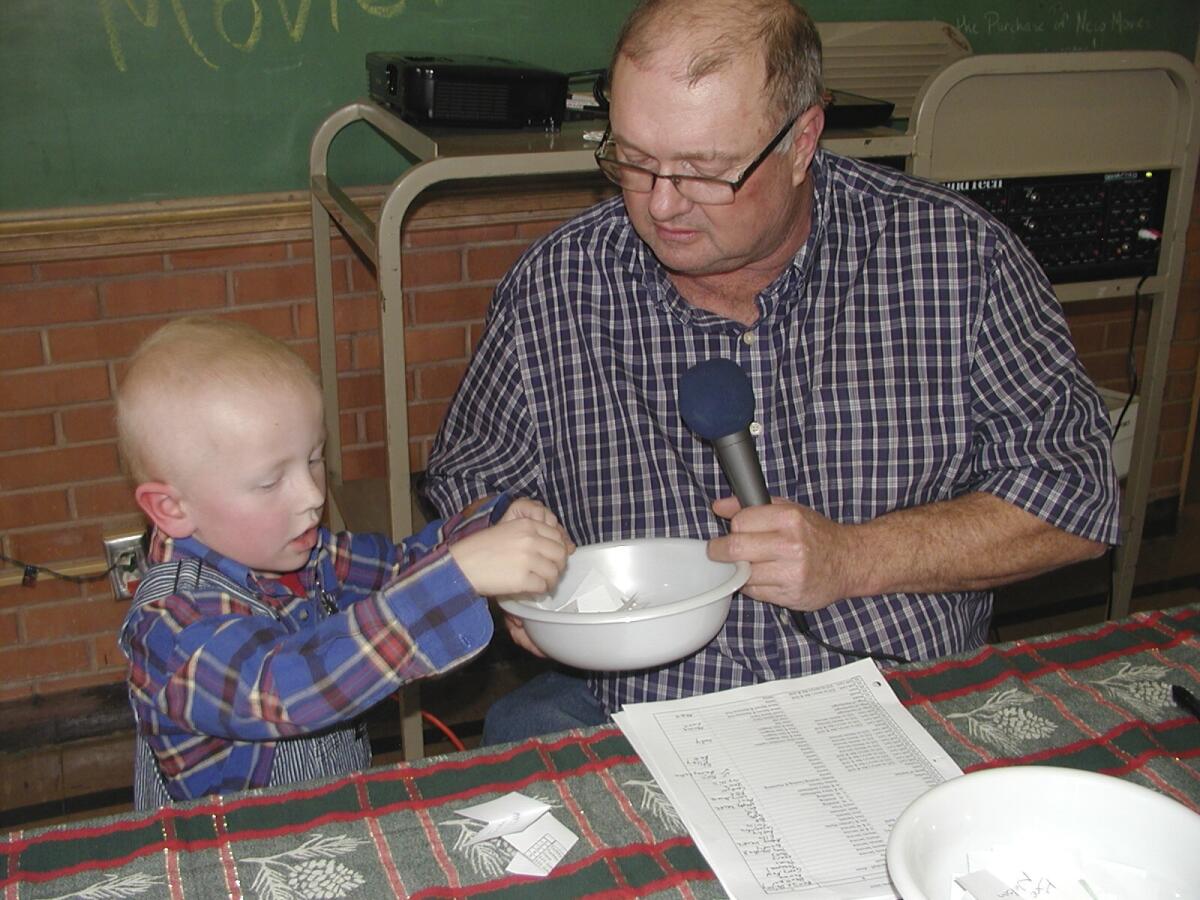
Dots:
pixel 323 878
pixel 1003 722
pixel 1144 689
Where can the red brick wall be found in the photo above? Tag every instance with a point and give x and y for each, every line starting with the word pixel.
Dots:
pixel 67 325
pixel 66 328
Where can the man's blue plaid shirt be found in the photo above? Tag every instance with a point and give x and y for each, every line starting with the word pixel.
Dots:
pixel 912 352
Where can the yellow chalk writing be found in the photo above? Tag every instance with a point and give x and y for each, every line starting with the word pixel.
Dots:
pixel 239 24
pixel 383 10
pixel 186 30
pixel 295 28
pixel 255 28
pixel 149 19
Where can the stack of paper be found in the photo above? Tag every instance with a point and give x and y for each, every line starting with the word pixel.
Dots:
pixel 791 788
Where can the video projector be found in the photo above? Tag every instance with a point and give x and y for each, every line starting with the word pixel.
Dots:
pixel 478 91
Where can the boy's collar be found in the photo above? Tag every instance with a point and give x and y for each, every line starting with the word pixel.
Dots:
pixel 164 549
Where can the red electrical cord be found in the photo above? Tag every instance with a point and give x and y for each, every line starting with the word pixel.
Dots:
pixel 443 728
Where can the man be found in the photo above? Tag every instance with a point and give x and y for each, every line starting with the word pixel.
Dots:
pixel 922 421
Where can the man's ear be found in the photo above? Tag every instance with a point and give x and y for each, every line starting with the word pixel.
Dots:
pixel 805 136
pixel 161 504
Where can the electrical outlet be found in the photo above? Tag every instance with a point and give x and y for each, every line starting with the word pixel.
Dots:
pixel 126 555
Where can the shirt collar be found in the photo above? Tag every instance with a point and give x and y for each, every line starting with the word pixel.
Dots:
pixel 818 171
pixel 164 549
pixel 788 289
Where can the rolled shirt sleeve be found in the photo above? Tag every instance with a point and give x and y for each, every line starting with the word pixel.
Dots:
pixel 1041 435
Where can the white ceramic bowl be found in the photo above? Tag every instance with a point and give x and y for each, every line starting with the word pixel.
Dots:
pixel 682 601
pixel 1054 811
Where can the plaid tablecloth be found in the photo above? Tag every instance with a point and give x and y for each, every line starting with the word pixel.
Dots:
pixel 1097 698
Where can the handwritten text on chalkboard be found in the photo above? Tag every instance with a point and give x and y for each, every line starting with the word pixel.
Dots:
pixel 250 15
pixel 1088 27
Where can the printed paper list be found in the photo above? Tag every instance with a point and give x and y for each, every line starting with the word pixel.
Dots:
pixel 802 780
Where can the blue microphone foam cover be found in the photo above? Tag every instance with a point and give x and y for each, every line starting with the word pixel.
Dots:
pixel 715 398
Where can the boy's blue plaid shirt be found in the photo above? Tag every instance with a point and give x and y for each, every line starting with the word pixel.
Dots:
pixel 216 680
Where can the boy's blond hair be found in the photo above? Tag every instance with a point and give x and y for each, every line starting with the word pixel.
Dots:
pixel 187 363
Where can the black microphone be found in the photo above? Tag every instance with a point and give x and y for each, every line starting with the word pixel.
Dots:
pixel 717 403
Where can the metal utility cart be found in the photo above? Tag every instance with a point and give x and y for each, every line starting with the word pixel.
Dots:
pixel 1042 115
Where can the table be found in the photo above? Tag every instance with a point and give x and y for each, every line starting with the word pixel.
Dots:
pixel 1096 698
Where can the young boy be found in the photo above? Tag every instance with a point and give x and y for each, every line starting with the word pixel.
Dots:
pixel 257 637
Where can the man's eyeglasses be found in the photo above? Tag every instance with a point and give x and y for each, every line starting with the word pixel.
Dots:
pixel 697 188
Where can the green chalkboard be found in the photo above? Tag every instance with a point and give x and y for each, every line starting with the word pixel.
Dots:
pixel 105 101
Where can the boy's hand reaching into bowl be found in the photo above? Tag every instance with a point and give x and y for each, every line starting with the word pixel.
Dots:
pixel 524 553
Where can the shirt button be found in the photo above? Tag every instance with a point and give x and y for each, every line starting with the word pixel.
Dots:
pixel 747 338
pixel 302 615
pixel 756 429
